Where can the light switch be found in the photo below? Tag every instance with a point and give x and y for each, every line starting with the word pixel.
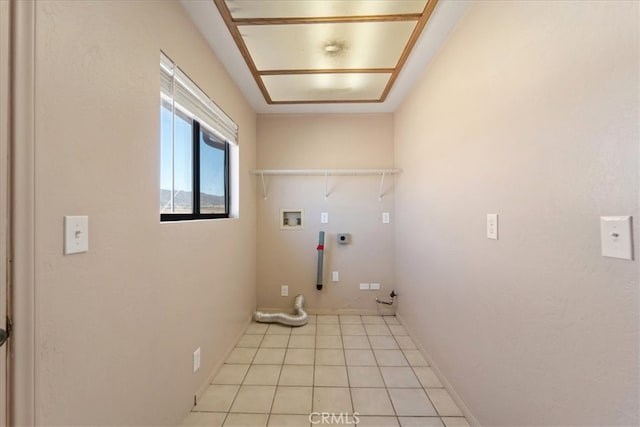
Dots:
pixel 615 234
pixel 196 360
pixel 335 276
pixel 374 286
pixel 492 226
pixel 324 217
pixel 364 286
pixel 76 234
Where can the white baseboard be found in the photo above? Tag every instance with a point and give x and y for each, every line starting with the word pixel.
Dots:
pixel 447 385
pixel 347 311
pixel 218 365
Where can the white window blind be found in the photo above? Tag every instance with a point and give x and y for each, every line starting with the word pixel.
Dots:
pixel 185 95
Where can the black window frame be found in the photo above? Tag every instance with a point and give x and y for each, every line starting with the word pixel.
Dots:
pixel 195 171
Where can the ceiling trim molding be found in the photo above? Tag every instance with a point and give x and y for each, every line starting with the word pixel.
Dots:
pixel 327 19
pixel 417 31
pixel 233 24
pixel 237 37
pixel 327 71
pixel 208 20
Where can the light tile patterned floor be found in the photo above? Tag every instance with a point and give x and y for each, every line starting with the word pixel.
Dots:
pixel 278 376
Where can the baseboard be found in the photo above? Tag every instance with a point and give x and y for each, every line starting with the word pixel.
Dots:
pixel 218 365
pixel 347 311
pixel 447 385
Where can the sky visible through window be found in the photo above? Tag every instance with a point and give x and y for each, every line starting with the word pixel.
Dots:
pixel 211 160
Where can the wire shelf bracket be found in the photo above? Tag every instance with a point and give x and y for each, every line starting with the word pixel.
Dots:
pixel 326 173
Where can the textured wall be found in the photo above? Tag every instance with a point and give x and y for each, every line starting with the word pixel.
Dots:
pixel 288 257
pixel 530 111
pixel 117 326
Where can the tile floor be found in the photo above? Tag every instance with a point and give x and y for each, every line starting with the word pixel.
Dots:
pixel 367 365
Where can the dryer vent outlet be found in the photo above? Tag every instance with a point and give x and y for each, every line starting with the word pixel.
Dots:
pixel 344 238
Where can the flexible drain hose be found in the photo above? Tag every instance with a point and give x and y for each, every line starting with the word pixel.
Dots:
pixel 320 259
pixel 300 318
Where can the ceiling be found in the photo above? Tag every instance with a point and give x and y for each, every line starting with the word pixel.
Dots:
pixel 296 56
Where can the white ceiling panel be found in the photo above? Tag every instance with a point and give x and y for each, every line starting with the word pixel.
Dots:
pixel 326 87
pixel 220 32
pixel 327 46
pixel 243 9
pixel 345 55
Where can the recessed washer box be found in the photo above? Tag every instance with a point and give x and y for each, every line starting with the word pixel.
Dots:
pixel 291 219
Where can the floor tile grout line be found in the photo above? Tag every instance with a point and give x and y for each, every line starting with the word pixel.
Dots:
pixel 344 355
pixel 381 376
pixel 275 392
pixel 424 388
pixel 386 388
pixel 346 366
pixel 313 375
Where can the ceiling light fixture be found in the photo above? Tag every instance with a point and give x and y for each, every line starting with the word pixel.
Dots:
pixel 334 47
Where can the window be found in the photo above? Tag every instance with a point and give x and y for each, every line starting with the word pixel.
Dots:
pixel 195 140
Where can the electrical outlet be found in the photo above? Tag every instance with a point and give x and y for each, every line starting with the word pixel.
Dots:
pixel 284 291
pixel 335 276
pixel 196 360
pixel 374 286
pixel 324 217
pixel 492 226
pixel 386 218
pixel 364 286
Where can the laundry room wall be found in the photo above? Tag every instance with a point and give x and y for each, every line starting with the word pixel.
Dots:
pixel 289 257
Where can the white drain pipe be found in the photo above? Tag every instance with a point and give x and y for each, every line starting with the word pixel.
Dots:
pixel 298 319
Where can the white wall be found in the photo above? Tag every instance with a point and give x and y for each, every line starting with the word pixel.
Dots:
pixel 117 326
pixel 289 257
pixel 530 111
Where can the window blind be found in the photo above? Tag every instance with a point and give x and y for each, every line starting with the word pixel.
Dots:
pixel 177 89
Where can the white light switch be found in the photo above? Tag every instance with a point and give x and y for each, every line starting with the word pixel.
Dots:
pixel 386 218
pixel 335 276
pixel 76 234
pixel 364 286
pixel 196 360
pixel 615 234
pixel 324 217
pixel 492 226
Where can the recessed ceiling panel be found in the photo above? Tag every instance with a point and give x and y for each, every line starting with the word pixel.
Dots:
pixel 326 87
pixel 327 46
pixel 325 50
pixel 243 9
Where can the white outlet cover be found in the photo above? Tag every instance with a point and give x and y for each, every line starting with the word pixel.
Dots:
pixel 386 217
pixel 374 286
pixel 615 236
pixel 364 286
pixel 76 234
pixel 284 291
pixel 324 217
pixel 196 360
pixel 492 226
pixel 335 276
